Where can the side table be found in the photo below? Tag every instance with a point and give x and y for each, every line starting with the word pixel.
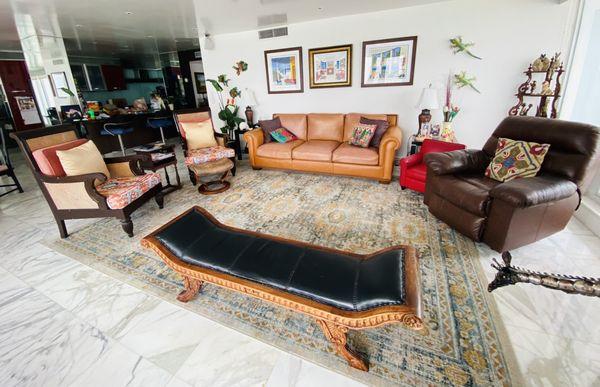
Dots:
pixel 238 144
pixel 161 157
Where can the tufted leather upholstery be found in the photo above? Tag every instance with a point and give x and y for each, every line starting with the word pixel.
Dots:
pixel 327 276
pixel 521 211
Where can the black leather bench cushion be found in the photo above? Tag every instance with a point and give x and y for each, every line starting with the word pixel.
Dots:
pixel 335 279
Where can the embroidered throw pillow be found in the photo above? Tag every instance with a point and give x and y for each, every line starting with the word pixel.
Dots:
pixel 514 159
pixel 362 135
pixel 268 126
pixel 382 127
pixel 283 135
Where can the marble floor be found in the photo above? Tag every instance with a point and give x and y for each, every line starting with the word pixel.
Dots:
pixel 65 324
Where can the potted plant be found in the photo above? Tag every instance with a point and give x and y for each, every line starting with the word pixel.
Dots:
pixel 228 112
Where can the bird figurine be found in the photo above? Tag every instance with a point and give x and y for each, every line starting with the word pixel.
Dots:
pixel 459 46
pixel 240 67
pixel 461 80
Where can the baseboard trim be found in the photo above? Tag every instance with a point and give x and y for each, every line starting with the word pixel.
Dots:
pixel 589 214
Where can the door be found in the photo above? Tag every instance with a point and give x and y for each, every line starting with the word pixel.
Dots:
pixel 19 94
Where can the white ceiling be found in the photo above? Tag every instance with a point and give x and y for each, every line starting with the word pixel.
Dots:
pixel 137 27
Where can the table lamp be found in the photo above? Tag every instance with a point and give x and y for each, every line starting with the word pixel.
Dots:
pixel 427 102
pixel 250 101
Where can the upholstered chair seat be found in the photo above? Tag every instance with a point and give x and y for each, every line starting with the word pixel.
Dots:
pixel 121 191
pixel 204 155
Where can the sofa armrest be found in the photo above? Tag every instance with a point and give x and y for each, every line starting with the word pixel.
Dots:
pixel 531 191
pixel 254 138
pixel 391 138
pixel 74 192
pixel 458 161
pixel 411 161
pixel 126 166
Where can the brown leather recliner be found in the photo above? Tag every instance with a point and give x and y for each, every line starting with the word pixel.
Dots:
pixel 515 213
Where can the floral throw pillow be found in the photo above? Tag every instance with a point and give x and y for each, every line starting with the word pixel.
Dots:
pixel 362 135
pixel 282 135
pixel 514 159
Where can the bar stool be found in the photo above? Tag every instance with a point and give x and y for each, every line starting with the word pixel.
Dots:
pixel 117 129
pixel 6 168
pixel 160 123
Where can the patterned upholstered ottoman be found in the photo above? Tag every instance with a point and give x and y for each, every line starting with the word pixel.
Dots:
pixel 211 176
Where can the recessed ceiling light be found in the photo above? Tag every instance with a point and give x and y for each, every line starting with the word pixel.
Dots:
pixel 94 42
pixel 128 13
pixel 78 25
pixel 149 36
pixel 320 9
pixel 176 40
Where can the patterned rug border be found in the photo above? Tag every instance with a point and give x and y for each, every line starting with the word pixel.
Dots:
pixel 91 261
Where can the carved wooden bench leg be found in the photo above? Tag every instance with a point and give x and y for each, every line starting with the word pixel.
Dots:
pixel 337 335
pixel 192 287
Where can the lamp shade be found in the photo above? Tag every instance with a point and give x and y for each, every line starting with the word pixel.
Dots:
pixel 429 99
pixel 249 98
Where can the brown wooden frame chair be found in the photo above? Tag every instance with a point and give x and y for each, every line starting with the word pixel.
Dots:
pixel 76 197
pixel 6 168
pixel 198 116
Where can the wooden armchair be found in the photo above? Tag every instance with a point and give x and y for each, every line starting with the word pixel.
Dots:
pixel 202 155
pixel 92 195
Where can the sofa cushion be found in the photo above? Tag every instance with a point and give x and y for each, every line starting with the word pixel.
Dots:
pixel 83 159
pixel 121 191
pixel 349 154
pixel 382 127
pixel 282 135
pixel 315 150
pixel 268 126
pixel 205 155
pixel 362 135
pixel 516 159
pixel 323 126
pixel 352 119
pixel 275 150
pixel 48 161
pixel 469 192
pixel 199 135
pixel 295 123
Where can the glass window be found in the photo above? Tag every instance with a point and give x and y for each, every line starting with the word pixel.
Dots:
pixel 79 76
pixel 95 77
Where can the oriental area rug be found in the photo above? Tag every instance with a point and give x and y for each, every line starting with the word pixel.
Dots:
pixel 463 341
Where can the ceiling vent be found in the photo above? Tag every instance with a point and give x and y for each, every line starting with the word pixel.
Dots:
pixel 273 33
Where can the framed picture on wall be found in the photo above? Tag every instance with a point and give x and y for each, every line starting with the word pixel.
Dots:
pixel 284 70
pixel 330 66
pixel 389 62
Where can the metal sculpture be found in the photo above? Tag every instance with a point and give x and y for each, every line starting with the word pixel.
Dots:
pixel 511 275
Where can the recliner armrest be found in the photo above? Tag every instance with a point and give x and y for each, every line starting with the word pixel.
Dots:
pixel 458 161
pixel 411 160
pixel 531 191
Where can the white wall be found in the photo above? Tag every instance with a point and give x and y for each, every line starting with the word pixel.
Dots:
pixel 509 34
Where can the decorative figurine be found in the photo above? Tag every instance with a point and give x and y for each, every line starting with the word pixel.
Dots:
pixel 525 109
pixel 532 87
pixel 459 46
pixel 461 80
pixel 555 63
pixel 541 64
pixel 546 90
pixel 240 67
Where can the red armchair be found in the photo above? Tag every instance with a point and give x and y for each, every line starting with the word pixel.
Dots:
pixel 413 171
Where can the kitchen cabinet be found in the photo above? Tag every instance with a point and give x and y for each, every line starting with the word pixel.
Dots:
pixel 95 78
pixel 113 77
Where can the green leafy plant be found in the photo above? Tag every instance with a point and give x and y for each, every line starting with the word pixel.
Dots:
pixel 67 91
pixel 228 112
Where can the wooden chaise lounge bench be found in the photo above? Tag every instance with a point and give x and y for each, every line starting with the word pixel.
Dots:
pixel 340 290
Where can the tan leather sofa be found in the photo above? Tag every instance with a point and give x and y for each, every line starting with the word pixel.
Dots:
pixel 322 146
